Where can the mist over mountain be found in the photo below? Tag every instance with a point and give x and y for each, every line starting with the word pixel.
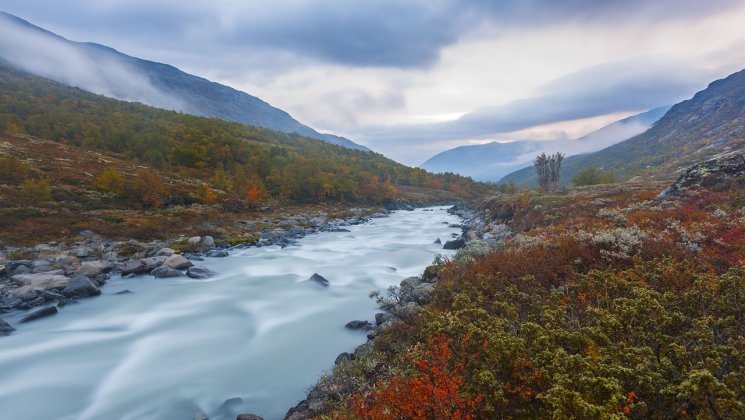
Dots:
pixel 492 161
pixel 103 70
pixel 706 126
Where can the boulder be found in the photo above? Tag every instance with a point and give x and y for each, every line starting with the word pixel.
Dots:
pixel 123 292
pixel 51 254
pixel 5 328
pixel 41 266
pixel 319 279
pixel 165 252
pixel 194 240
pixel 133 267
pixel 178 262
pixel 208 242
pixel 24 293
pixel 42 281
pixel 41 313
pixel 438 241
pixel 165 272
pixel 82 252
pixel 153 262
pixel 21 269
pixel 81 286
pixel 197 272
pixel 359 325
pixel 415 292
pixel 454 244
pixel 342 357
pixel 382 317
pixel 218 253
pixel 94 268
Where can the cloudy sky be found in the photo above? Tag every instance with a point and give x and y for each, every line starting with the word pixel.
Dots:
pixel 411 78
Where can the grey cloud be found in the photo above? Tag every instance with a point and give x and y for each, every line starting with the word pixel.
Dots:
pixel 383 33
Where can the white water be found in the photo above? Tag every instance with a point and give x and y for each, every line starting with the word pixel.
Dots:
pixel 257 331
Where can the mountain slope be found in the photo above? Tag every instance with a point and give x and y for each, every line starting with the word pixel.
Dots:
pixel 492 161
pixel 709 124
pixel 105 71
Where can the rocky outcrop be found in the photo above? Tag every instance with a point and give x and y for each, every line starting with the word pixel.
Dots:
pixel 710 172
pixel 80 286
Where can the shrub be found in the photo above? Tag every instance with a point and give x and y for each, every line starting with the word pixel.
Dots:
pixel 13 170
pixel 593 176
pixel 37 191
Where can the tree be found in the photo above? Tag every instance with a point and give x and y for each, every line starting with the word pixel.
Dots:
pixel 548 168
pixel 149 188
pixel 593 176
pixel 111 181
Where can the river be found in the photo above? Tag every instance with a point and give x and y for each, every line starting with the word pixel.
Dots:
pixel 257 331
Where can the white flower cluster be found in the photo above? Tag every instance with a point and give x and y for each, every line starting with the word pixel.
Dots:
pixel 620 243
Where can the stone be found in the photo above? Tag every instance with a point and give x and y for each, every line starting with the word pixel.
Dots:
pixel 359 325
pixel 153 262
pixel 82 252
pixel 438 241
pixel 454 244
pixel 41 266
pixel 319 279
pixel 133 267
pixel 123 292
pixel 165 252
pixel 197 272
pixel 93 268
pixel 21 269
pixel 165 272
pixel 342 357
pixel 194 240
pixel 24 293
pixel 41 313
pixel 81 286
pixel 218 253
pixel 5 328
pixel 42 281
pixel 178 262
pixel 208 242
pixel 51 254
pixel 382 317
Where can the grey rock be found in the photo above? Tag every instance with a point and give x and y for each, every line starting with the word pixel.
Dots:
pixel 153 262
pixel 21 269
pixel 165 272
pixel 218 253
pixel 41 313
pixel 24 293
pixel 82 252
pixel 94 268
pixel 208 242
pixel 454 244
pixel 359 325
pixel 41 266
pixel 319 279
pixel 342 357
pixel 197 272
pixel 194 240
pixel 383 317
pixel 165 252
pixel 81 286
pixel 438 241
pixel 133 267
pixel 123 292
pixel 42 281
pixel 178 262
pixel 5 328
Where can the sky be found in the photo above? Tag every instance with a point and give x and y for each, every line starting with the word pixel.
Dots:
pixel 411 78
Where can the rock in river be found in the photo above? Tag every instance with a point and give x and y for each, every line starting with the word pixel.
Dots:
pixel 178 262
pixel 217 253
pixel 41 281
pixel 197 272
pixel 41 313
pixel 80 286
pixel 165 272
pixel 454 244
pixel 359 325
pixel 319 279
pixel 5 328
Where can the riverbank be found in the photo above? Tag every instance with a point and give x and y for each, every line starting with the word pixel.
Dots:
pixel 43 278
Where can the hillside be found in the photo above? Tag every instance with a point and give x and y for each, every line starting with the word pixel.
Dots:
pixel 103 70
pixel 709 124
pixel 69 152
pixel 492 161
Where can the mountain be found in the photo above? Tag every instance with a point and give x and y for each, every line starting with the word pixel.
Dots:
pixel 103 70
pixel 492 161
pixel 710 124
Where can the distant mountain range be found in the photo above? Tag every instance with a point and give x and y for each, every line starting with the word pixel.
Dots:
pixel 492 161
pixel 103 70
pixel 710 124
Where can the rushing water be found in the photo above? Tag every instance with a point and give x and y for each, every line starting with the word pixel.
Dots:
pixel 258 331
